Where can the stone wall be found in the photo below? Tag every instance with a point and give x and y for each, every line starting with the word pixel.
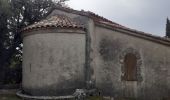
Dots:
pixel 152 66
pixel 53 63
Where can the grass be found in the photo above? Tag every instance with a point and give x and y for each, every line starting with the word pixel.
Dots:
pixel 95 98
pixel 9 97
pixel 125 99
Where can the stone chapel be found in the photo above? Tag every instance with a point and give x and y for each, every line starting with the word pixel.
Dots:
pixel 72 49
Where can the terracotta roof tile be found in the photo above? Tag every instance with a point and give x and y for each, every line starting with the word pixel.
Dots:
pixel 56 21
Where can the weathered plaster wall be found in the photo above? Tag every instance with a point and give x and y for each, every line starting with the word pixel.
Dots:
pixel 154 68
pixel 53 63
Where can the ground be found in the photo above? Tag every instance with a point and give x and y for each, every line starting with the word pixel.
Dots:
pixel 14 97
pixel 9 97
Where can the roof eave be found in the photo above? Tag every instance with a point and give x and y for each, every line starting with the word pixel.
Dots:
pixel 146 36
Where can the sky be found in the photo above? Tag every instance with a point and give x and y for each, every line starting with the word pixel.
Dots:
pixel 148 16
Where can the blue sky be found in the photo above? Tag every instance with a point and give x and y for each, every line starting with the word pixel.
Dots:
pixel 144 15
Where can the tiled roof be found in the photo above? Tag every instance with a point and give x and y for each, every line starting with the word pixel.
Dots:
pixel 60 21
pixel 103 21
pixel 68 22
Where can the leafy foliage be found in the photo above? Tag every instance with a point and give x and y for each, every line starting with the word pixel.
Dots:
pixel 14 15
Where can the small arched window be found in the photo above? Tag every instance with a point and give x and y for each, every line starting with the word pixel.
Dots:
pixel 130 65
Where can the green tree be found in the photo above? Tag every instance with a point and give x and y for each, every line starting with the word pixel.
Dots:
pixel 4 35
pixel 167 28
pixel 15 15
